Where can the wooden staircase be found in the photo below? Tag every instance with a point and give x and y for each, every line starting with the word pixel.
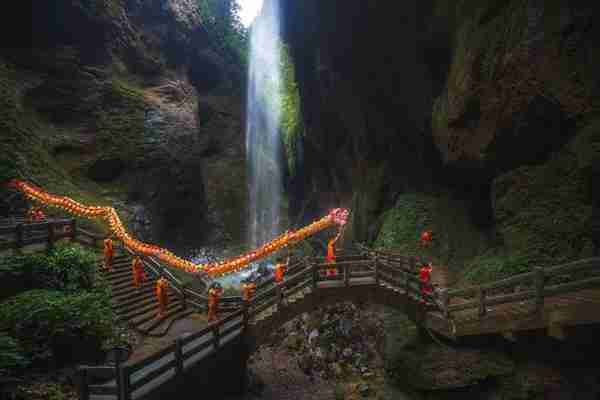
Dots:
pixel 139 307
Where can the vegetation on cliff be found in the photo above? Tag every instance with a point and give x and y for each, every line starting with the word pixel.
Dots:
pixel 60 314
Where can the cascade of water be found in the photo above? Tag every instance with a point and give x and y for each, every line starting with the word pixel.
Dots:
pixel 262 126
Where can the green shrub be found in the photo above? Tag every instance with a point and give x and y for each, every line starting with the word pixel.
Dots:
pixel 68 267
pixel 57 326
pixel 12 358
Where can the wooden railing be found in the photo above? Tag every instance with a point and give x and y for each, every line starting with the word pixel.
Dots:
pixel 24 234
pixel 530 286
pixel 369 268
pixel 188 350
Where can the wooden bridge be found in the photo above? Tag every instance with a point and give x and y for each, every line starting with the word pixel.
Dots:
pixel 552 298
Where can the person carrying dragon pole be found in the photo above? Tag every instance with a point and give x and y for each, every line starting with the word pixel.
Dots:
pixel 330 258
pixel 425 280
pixel 162 296
pixel 137 269
pixel 109 253
pixel 214 294
pixel 280 269
pixel 248 291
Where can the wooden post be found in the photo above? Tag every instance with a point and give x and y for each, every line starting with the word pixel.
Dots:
pixel 183 296
pixel 346 275
pixel 19 233
pixel 481 299
pixel 376 271
pixel 539 288
pixel 125 381
pixel 315 276
pixel 406 284
pixel 73 229
pixel 178 356
pixel 82 384
pixel 50 235
pixel 216 335
pixel 119 377
pixel 245 308
pixel 445 300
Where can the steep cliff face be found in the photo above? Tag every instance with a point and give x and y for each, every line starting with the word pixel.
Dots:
pixel 126 102
pixel 479 110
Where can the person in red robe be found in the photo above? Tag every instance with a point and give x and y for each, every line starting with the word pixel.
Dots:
pixel 425 279
pixel 426 238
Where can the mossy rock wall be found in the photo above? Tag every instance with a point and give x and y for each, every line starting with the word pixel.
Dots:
pixel 456 239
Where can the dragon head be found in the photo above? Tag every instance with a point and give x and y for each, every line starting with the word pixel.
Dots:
pixel 13 184
pixel 339 216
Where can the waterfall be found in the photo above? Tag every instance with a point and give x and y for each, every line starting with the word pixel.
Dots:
pixel 262 126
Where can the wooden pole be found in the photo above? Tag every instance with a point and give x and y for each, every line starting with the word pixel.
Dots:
pixel 315 276
pixel 376 264
pixel 82 384
pixel 178 356
pixel 73 229
pixel 118 376
pixel 539 288
pixel 481 299
pixel 445 300
pixel 19 233
pixel 216 335
pixel 50 235
pixel 346 275
pixel 125 381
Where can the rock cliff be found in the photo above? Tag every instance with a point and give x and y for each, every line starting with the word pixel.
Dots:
pixel 127 102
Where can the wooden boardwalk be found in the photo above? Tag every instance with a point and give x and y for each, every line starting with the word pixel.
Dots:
pixel 552 299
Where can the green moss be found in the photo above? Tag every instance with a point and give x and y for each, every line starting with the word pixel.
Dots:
pixel 455 238
pixel 120 121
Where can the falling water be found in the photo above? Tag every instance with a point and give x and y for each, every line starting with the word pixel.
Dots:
pixel 262 126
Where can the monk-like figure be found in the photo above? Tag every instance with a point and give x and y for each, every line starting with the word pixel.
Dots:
pixel 330 258
pixel 162 296
pixel 108 254
pixel 214 295
pixel 137 268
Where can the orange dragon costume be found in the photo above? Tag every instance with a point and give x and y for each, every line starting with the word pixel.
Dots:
pixel 137 269
pixel 214 294
pixel 162 296
pixel 109 253
pixel 109 216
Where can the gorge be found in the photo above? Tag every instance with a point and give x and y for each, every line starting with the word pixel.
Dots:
pixel 473 119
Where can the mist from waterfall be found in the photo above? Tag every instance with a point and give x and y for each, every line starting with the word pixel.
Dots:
pixel 262 126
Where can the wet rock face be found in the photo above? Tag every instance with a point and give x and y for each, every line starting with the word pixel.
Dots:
pixel 104 170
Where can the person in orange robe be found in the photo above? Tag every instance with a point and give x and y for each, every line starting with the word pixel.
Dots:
pixel 280 271
pixel 108 254
pixel 425 278
pixel 248 290
pixel 162 296
pixel 139 276
pixel 330 258
pixel 214 294
pixel 31 214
